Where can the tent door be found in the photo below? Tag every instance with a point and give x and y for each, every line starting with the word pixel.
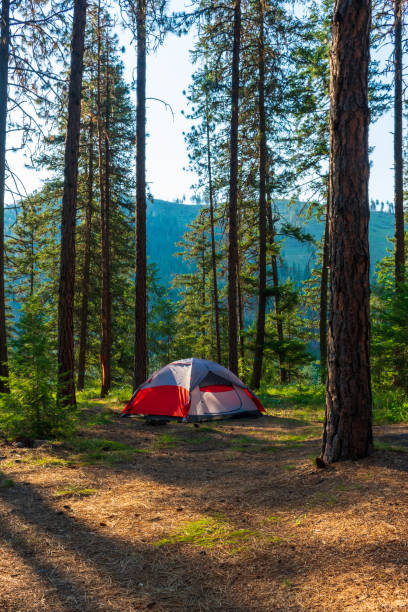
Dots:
pixel 223 400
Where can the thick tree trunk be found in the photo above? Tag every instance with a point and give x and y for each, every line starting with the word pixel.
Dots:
pixel 233 198
pixel 348 423
pixel 260 324
pixel 398 158
pixel 324 284
pixel 106 314
pixel 69 203
pixel 213 250
pixel 4 61
pixel 83 333
pixel 140 345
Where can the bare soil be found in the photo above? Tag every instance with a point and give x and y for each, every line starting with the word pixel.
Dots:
pixel 230 516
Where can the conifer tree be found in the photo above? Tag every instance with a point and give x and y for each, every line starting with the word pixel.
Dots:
pixel 347 430
pixel 66 362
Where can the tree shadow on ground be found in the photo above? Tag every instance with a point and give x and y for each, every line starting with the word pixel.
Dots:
pixel 83 569
pixel 79 568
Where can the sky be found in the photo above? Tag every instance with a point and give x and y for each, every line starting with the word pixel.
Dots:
pixel 169 71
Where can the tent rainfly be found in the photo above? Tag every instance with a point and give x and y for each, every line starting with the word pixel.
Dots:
pixel 193 390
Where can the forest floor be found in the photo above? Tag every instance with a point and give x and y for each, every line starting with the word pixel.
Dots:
pixel 231 516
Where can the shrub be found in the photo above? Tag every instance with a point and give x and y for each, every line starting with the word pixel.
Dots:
pixel 390 406
pixel 31 408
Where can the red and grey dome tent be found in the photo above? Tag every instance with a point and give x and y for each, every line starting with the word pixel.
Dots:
pixel 193 390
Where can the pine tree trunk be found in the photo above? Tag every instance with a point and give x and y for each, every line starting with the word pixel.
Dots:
pixel 203 296
pixel 348 423
pixel 283 375
pixel 233 198
pixel 140 345
pixel 4 62
pixel 106 314
pixel 213 252
pixel 324 283
pixel 260 324
pixel 240 312
pixel 32 263
pixel 398 157
pixel 69 204
pixel 83 333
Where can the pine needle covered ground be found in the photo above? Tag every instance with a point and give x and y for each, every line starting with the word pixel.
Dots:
pixel 230 516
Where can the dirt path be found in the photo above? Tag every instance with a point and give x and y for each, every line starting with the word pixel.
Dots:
pixel 231 516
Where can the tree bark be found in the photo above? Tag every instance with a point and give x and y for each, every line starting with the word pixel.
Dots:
pixel 213 251
pixel 324 283
pixel 140 345
pixel 241 324
pixel 348 422
pixel 260 325
pixel 4 63
pixel 283 374
pixel 233 197
pixel 104 176
pixel 69 205
pixel 83 334
pixel 398 157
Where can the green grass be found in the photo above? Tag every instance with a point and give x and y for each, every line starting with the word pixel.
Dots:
pixel 166 440
pixel 115 395
pixel 92 451
pixel 47 461
pixel 74 491
pixel 103 418
pixel 207 533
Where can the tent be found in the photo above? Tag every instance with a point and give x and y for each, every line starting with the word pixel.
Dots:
pixel 193 390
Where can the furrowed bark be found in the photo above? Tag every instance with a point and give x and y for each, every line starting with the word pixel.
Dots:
pixel 324 284
pixel 283 374
pixel 348 422
pixel 66 364
pixel 140 344
pixel 233 198
pixel 83 333
pixel 106 314
pixel 260 325
pixel 4 63
pixel 398 156
pixel 213 251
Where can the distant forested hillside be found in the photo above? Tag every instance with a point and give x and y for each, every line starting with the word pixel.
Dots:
pixel 167 222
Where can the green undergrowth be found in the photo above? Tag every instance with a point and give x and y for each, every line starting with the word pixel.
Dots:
pixel 297 404
pixel 302 403
pixel 390 406
pixel 93 392
pixel 92 451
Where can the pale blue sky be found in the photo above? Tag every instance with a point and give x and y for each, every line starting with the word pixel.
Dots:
pixel 168 74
